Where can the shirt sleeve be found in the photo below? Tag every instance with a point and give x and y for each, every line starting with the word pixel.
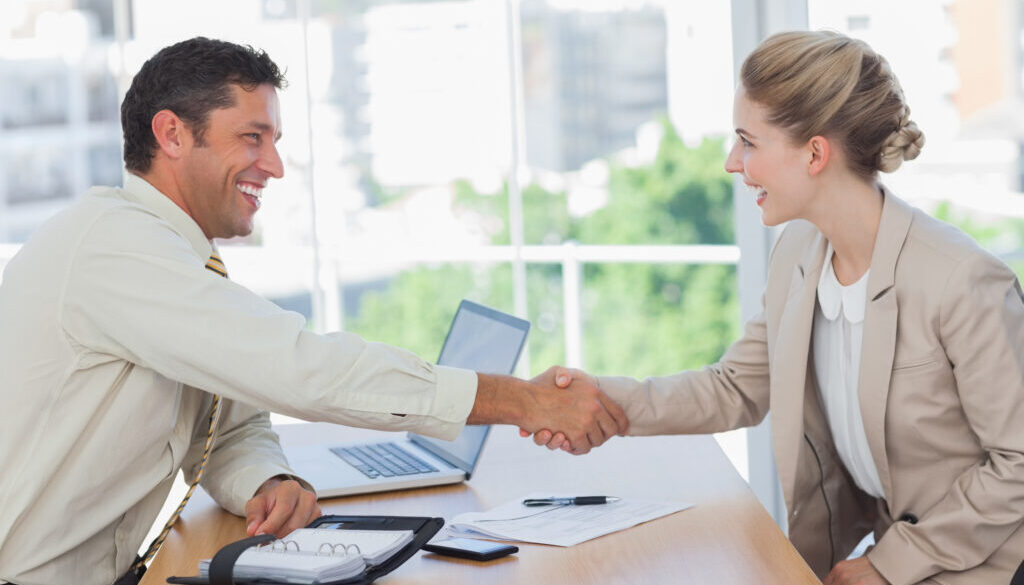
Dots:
pixel 140 293
pixel 245 454
pixel 982 328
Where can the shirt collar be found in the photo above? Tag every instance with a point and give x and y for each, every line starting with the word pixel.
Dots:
pixel 142 191
pixel 833 296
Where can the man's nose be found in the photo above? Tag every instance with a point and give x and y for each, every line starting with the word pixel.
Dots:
pixel 270 162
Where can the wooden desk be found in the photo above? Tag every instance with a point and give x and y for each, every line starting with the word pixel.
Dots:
pixel 728 538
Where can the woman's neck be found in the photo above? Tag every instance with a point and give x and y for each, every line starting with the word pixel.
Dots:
pixel 849 216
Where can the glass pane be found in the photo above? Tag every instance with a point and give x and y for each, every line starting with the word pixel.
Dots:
pixel 547 317
pixel 625 108
pixel 411 146
pixel 414 308
pixel 652 319
pixel 58 109
pixel 962 77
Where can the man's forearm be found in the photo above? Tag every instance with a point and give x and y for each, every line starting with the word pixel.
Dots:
pixel 500 400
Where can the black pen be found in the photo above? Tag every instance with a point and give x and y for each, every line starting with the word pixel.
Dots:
pixel 577 501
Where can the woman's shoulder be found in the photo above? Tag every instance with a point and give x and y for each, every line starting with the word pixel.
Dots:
pixel 929 237
pixel 939 248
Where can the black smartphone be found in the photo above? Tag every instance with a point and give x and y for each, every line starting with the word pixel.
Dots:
pixel 467 548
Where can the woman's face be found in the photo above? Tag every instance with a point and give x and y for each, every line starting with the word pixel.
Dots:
pixel 771 165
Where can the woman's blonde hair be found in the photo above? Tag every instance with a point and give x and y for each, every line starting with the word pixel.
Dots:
pixel 827 84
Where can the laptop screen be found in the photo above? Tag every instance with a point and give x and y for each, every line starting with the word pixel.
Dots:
pixel 483 340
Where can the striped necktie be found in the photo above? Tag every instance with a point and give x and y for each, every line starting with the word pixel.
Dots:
pixel 214 264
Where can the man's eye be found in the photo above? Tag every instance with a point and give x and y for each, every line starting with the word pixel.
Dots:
pixel 254 136
pixel 745 141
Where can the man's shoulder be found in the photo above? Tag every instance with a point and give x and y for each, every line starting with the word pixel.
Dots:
pixel 112 206
pixel 95 203
pixel 106 216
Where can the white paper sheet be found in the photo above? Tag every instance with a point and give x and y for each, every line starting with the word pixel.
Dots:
pixel 559 525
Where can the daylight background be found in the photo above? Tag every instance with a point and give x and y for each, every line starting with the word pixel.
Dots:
pixel 558 159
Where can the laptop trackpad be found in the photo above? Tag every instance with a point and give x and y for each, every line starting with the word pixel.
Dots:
pixel 320 467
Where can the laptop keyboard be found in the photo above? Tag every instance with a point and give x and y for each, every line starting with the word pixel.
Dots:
pixel 382 460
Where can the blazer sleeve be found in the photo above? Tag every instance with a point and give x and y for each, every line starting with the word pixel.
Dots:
pixel 730 394
pixel 981 323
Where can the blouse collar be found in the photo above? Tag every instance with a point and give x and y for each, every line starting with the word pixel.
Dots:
pixel 833 296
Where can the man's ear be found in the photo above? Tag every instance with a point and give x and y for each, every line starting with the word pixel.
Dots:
pixel 820 150
pixel 172 136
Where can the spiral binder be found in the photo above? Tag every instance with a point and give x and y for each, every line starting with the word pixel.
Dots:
pixel 222 568
pixel 325 549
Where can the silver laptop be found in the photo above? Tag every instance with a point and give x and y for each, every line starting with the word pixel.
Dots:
pixel 480 339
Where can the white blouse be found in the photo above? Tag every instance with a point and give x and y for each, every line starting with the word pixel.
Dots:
pixel 836 345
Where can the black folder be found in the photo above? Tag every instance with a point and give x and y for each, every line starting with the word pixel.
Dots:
pixel 222 564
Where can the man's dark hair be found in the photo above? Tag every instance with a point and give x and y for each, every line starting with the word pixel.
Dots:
pixel 191 79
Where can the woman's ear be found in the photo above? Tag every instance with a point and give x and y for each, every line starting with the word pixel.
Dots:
pixel 820 150
pixel 170 133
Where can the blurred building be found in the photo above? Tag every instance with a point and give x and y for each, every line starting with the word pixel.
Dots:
pixel 60 130
pixel 590 79
pixel 954 59
pixel 436 91
pixel 989 60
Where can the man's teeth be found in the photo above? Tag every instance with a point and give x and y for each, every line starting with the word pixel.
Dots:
pixel 250 190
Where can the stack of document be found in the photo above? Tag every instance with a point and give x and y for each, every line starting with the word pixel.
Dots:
pixel 559 525
pixel 316 555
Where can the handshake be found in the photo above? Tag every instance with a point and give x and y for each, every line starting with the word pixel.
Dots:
pixel 561 408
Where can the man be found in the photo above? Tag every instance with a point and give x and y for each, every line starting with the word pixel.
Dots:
pixel 118 329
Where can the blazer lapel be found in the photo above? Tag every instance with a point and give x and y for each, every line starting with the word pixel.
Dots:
pixel 789 366
pixel 878 347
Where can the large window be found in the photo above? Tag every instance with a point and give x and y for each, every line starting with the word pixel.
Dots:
pixel 561 159
pixel 961 71
pixel 556 158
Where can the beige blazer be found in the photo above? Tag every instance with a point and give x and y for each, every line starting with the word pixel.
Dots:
pixel 941 394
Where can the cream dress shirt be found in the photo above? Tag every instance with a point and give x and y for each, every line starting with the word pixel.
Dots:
pixel 108 324
pixel 837 345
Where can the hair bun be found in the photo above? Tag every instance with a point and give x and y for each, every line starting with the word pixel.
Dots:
pixel 903 144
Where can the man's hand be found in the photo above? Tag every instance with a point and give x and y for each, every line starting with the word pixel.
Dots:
pixel 857 571
pixel 280 506
pixel 562 378
pixel 583 414
pixel 577 382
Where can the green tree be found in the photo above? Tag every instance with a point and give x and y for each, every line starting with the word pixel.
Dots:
pixel 683 197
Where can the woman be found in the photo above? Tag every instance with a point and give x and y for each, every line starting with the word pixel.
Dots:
pixel 890 348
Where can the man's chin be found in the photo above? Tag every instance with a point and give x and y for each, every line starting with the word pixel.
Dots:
pixel 238 231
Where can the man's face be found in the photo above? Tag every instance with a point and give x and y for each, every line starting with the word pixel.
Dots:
pixel 223 178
